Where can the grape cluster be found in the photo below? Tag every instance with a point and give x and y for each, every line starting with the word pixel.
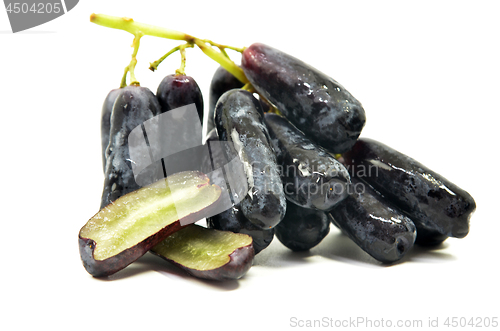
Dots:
pixel 384 210
pixel 294 132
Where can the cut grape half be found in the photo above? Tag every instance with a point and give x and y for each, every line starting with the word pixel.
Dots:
pixel 126 229
pixel 208 253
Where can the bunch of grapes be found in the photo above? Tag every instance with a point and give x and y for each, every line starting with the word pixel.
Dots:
pixel 293 134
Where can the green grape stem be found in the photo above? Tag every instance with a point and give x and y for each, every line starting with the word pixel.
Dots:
pixel 131 66
pixel 153 66
pixel 141 29
pixel 248 87
pixel 182 69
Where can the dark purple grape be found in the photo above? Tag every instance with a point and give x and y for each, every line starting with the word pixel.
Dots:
pixel 429 237
pixel 132 107
pixel 107 107
pixel 239 122
pixel 222 81
pixel 231 219
pixel 438 207
pixel 302 228
pixel 312 178
pixel 315 103
pixel 374 224
pixel 176 91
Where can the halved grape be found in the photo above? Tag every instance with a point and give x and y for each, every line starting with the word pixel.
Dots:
pixel 126 229
pixel 208 253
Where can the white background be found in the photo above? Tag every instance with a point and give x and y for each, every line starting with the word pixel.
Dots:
pixel 427 73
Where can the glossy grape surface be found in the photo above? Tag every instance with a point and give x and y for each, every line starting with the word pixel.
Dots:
pixel 132 107
pixel 302 228
pixel 231 219
pixel 315 103
pixel 176 91
pixel 312 178
pixel 374 224
pixel 239 122
pixel 438 207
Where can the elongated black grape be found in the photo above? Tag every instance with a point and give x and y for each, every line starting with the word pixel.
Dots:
pixel 107 108
pixel 179 90
pixel 438 207
pixel 132 107
pixel 222 81
pixel 375 225
pixel 239 122
pixel 312 178
pixel 302 228
pixel 234 220
pixel 315 103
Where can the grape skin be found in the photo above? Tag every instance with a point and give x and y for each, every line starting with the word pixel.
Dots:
pixel 231 219
pixel 315 103
pixel 312 178
pixel 374 224
pixel 439 208
pixel 176 91
pixel 239 121
pixel 107 108
pixel 302 228
pixel 132 107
